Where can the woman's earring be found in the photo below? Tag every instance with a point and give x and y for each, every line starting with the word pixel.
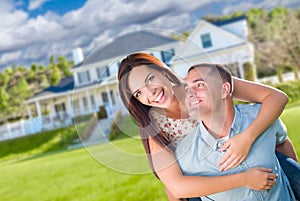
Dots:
pixel 173 84
pixel 170 80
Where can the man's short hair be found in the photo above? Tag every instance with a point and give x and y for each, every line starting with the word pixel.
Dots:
pixel 222 71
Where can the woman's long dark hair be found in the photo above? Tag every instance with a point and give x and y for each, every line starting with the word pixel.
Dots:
pixel 138 111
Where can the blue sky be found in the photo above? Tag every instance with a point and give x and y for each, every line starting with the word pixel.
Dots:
pixel 41 7
pixel 32 31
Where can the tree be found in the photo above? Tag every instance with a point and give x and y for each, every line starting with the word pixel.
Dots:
pixel 44 81
pixel 63 65
pixel 52 61
pixel 41 67
pixel 34 67
pixel 277 39
pixel 3 100
pixel 5 78
pixel 55 76
pixel 3 103
pixel 23 88
pixel 17 94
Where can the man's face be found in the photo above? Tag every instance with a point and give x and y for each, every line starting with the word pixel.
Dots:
pixel 204 92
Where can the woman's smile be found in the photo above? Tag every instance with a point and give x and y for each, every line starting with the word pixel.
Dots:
pixel 160 97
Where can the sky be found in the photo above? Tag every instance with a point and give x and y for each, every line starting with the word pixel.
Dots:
pixel 33 30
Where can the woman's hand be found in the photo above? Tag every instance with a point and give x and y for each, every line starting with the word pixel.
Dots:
pixel 260 178
pixel 237 149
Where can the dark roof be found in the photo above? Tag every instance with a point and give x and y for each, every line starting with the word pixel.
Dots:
pixel 125 44
pixel 65 84
pixel 235 19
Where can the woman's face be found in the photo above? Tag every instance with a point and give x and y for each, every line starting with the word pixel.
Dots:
pixel 150 87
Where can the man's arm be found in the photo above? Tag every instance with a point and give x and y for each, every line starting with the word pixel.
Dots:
pixel 238 147
pixel 287 148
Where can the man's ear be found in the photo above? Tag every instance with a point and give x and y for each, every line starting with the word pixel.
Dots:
pixel 226 90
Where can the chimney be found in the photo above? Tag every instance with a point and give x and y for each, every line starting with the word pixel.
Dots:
pixel 77 55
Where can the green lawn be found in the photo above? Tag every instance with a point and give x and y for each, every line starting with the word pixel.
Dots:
pixel 96 173
pixel 291 118
pixel 76 175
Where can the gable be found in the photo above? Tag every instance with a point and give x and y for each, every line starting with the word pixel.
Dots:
pixel 220 39
pixel 128 43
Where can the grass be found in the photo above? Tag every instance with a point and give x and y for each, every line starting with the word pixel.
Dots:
pixel 290 117
pixel 101 172
pixel 77 175
pixel 39 143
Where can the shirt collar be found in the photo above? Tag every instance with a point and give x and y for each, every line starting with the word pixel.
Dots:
pixel 237 122
pixel 213 142
pixel 209 140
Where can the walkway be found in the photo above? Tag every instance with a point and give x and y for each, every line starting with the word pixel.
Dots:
pixel 99 135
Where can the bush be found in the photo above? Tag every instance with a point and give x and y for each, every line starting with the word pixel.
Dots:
pixel 263 72
pixel 115 130
pixel 291 88
pixel 249 71
pixel 47 141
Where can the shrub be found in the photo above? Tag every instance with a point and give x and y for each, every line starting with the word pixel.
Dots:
pixel 249 71
pixel 291 88
pixel 115 130
pixel 43 142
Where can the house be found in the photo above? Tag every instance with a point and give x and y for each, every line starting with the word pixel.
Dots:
pixel 222 42
pixel 93 86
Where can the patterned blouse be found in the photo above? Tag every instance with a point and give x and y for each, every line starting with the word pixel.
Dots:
pixel 175 129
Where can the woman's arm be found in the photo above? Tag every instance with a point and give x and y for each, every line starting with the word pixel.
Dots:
pixel 273 102
pixel 181 186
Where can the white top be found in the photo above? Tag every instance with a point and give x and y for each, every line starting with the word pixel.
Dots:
pixel 177 129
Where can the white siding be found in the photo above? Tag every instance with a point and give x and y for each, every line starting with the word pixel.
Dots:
pixel 238 28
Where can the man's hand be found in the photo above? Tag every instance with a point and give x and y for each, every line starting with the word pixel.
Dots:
pixel 237 149
pixel 260 178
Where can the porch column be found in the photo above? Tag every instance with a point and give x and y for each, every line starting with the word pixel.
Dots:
pixel 29 112
pixel 109 101
pixel 8 130
pixel 88 96
pixel 241 69
pixel 30 118
pixel 23 127
pixel 38 108
pixel 70 106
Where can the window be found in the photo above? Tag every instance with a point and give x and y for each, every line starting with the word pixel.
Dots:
pixel 112 97
pixel 84 77
pixel 103 72
pixel 92 100
pixel 85 102
pixel 167 56
pixel 76 105
pixel 206 40
pixel 105 97
pixel 60 107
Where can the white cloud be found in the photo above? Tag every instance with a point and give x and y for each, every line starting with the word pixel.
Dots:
pixel 11 18
pixel 10 57
pixel 94 23
pixel 35 4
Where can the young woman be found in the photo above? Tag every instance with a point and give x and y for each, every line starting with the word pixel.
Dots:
pixel 154 97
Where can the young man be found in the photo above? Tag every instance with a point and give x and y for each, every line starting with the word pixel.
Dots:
pixel 209 100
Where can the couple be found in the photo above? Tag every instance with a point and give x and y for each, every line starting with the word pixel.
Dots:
pixel 155 98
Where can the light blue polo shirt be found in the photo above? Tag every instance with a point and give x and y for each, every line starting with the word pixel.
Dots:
pixel 198 154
